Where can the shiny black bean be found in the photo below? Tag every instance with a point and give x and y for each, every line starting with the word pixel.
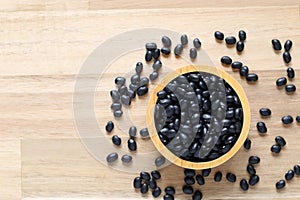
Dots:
pixel 187 189
pixel 236 65
pixel 265 112
pixel 242 35
pixel 247 144
pixel 197 43
pixel 251 77
pixel 157 65
pixel 131 93
pixel 231 177
pixel 116 106
pixel 156 53
pixel 170 190
pixel 151 46
pixel 145 175
pixel 132 131
pixel 193 53
pixel 276 44
pixel 165 51
pixel 244 71
pixel 142 90
pixel 178 49
pixel 298 119
pixel 116 140
pixel 120 81
pixel 280 141
pixel 166 41
pixel 139 67
pixel 148 56
pixel 297 170
pixel 218 176
pixel 200 180
pixel 290 88
pixel 288 119
pixel 254 160
pixel 254 179
pixel 250 169
pixel 290 72
pixel 261 127
pixel 289 175
pixel 132 146
pixel 156 174
pixel 189 172
pixel 159 161
pixel 168 197
pixel 197 195
pixel 118 113
pixel 226 60
pixel 184 39
pixel 189 180
pixel 206 172
pixel 112 157
pixel 280 184
pixel 115 95
pixel 275 148
pixel 152 183
pixel 156 192
pixel 137 183
pixel 281 81
pixel 144 132
pixel 109 126
pixel 144 188
pixel 219 35
pixel 288 45
pixel 240 46
pixel 126 158
pixel 126 100
pixel 287 57
pixel 230 40
pixel 244 185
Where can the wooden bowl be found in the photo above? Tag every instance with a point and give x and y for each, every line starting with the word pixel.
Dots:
pixel 165 151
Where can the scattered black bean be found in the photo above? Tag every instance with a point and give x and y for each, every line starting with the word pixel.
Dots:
pixel 252 77
pixel 189 180
pixel 254 179
pixel 298 119
pixel 144 132
pixel 200 180
pixel 230 40
pixel 144 81
pixel 115 96
pixel 157 65
pixel 178 49
pixel 189 172
pixel 242 35
pixel 244 185
pixel 165 51
pixel 247 144
pixel 288 45
pixel 281 82
pixel 290 72
pixel 112 157
pixel 280 141
pixel 148 56
pixel 126 158
pixel 116 140
pixel 289 175
pixel 166 41
pixel 144 188
pixel 219 35
pixel 244 71
pixel 135 79
pixel 231 177
pixel 170 190
pixel 122 90
pixel 132 146
pixel 226 60
pixel 250 169
pixel 152 183
pixel 153 76
pixel 142 90
pixel 119 81
pixel 159 161
pixel 184 39
pixel 145 175
pixel 197 43
pixel 116 106
pixel 187 189
pixel 287 57
pixel 118 113
pixel 197 195
pixel 137 183
pixel 156 192
pixel 151 46
pixel 193 53
pixel 276 45
pixel 280 184
pixel 168 197
pixel 288 119
pixel 218 176
pixel 131 93
pixel 254 160
pixel 126 100
pixel 236 65
pixel 206 172
pixel 240 46
pixel 109 126
pixel 139 67
pixel 261 127
pixel 265 112
pixel 156 53
pixel 275 148
pixel 156 174
pixel 290 88
pixel 297 169
pixel 132 131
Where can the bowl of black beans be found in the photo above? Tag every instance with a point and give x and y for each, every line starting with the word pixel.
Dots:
pixel 198 117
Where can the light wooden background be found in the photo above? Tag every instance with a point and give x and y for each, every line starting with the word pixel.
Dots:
pixel 43 45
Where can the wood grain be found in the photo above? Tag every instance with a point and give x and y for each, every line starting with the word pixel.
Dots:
pixel 42 51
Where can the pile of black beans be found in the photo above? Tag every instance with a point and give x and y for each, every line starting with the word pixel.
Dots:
pixel 186 125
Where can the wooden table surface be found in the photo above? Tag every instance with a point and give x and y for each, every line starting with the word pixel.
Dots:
pixel 44 45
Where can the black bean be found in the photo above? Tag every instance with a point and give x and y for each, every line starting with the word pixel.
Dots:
pixel 184 39
pixel 200 180
pixel 137 183
pixel 287 57
pixel 168 197
pixel 151 46
pixel 219 35
pixel 276 45
pixel 132 146
pixel 252 77
pixel 289 175
pixel 240 46
pixel 135 79
pixel 122 90
pixel 144 81
pixel 170 190
pixel 280 141
pixel 265 112
pixel 139 67
pixel 142 90
pixel 250 169
pixel 280 184
pixel 152 183
pixel 254 160
pixel 193 53
pixel 120 81
pixel 261 127
pixel 157 65
pixel 189 180
pixel 242 35
pixel 144 188
pixel 290 88
pixel 244 185
pixel 247 144
pixel 156 192
pixel 197 43
pixel 159 161
pixel 187 189
pixel 206 172
pixel 118 113
pixel 109 126
pixel 297 169
pixel 156 174
pixel 281 82
pixel 165 51
pixel 218 176
pixel 116 106
pixel 275 148
pixel 126 100
pixel 132 131
pixel 178 49
pixel 144 132
pixel 148 56
pixel 153 76
pixel 112 157
pixel 166 41
pixel 290 72
pixel 288 45
pixel 189 172
pixel 156 53
pixel 231 177
pixel 126 158
pixel 145 175
pixel 116 140
pixel 115 96
pixel 254 179
pixel 244 71
pixel 197 195
pixel 230 40
pixel 226 60
pixel 298 119
pixel 288 119
pixel 236 65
